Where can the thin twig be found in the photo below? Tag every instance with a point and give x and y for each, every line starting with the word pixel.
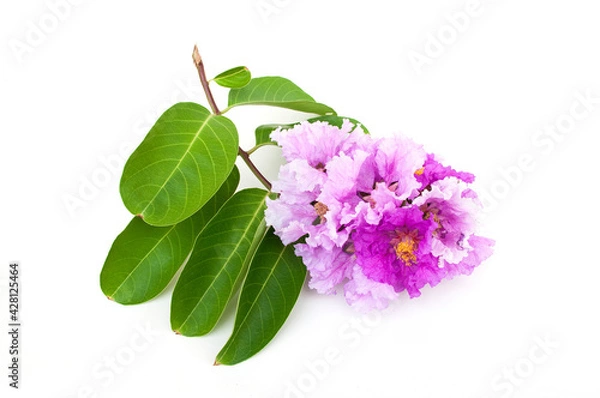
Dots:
pixel 244 155
pixel 200 66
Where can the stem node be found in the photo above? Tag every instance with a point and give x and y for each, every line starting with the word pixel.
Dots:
pixel 213 105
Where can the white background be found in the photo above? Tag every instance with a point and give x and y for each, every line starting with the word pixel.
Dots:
pixel 103 73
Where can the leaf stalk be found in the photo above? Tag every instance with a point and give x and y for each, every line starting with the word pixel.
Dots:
pixel 213 105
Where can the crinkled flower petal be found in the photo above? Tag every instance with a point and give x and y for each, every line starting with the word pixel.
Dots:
pixel 397 159
pixel 455 214
pixel 290 221
pixel 316 142
pixel 433 170
pixel 298 182
pixel 365 294
pixel 393 251
pixel 482 248
pixel 326 268
pixel 378 216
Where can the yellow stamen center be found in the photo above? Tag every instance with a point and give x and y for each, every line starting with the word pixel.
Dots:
pixel 420 171
pixel 405 244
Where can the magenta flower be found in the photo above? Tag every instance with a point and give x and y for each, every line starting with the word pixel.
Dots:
pixel 376 216
pixel 397 251
pixel 453 207
pixel 397 159
pixel 433 171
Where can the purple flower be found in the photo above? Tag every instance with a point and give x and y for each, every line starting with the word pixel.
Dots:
pixel 327 268
pixel 453 207
pixel 310 150
pixel 365 294
pixel 433 171
pixel 397 159
pixel 480 250
pixel 376 216
pixel 397 251
pixel 317 142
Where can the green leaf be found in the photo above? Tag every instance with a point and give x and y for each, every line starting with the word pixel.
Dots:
pixel 271 288
pixel 234 78
pixel 217 263
pixel 276 91
pixel 263 132
pixel 143 259
pixel 180 165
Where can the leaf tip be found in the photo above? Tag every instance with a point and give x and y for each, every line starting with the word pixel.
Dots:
pixel 140 216
pixel 110 298
pixel 217 363
pixel 177 332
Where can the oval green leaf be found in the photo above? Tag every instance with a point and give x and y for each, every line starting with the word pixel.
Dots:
pixel 276 91
pixel 180 165
pixel 217 263
pixel 143 259
pixel 234 78
pixel 270 291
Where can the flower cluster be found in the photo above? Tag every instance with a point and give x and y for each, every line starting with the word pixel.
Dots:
pixel 379 216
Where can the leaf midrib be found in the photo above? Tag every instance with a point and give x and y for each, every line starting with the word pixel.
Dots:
pixel 181 326
pixel 142 260
pixel 176 168
pixel 262 288
pixel 233 75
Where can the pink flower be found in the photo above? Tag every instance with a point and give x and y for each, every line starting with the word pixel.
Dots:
pixel 397 251
pixel 376 216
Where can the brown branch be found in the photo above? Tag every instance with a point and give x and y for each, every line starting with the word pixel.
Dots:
pixel 200 66
pixel 244 155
